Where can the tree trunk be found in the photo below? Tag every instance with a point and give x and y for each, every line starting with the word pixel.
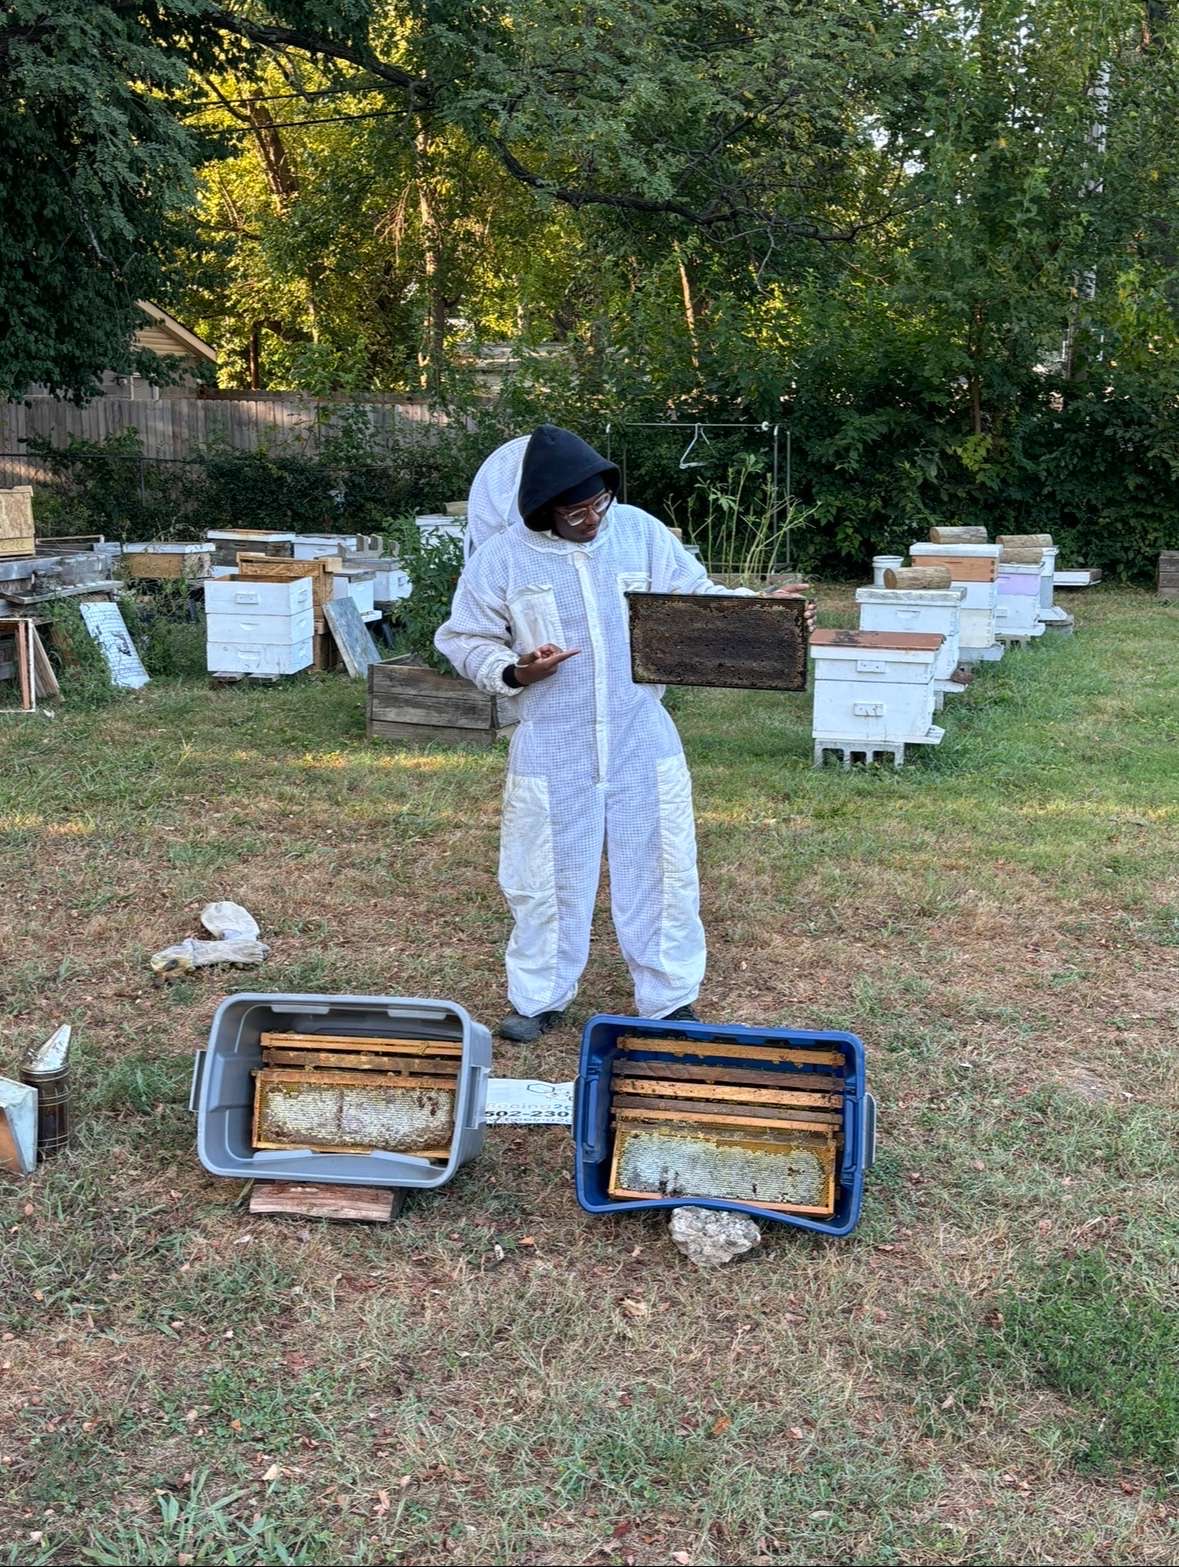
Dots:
pixel 431 354
pixel 254 357
pixel 689 308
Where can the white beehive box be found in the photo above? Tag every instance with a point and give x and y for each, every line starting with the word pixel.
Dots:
pixel 1017 613
pixel 356 583
pixel 875 686
pixel 974 568
pixel 932 610
pixel 317 546
pixel 391 583
pixel 259 627
pixel 436 525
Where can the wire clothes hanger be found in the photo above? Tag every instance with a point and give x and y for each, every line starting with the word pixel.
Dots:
pixel 698 436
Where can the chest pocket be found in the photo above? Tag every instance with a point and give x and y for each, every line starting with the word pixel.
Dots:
pixel 535 619
pixel 632 582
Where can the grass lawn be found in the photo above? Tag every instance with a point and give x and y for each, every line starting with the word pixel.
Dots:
pixel 985 1372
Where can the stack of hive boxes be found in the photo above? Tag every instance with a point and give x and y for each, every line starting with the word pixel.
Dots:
pixel 259 626
pixel 899 606
pixel 974 567
pixel 874 693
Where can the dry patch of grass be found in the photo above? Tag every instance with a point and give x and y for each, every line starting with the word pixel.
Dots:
pixel 499 1377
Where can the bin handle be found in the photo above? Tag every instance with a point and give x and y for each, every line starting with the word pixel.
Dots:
pixel 869 1131
pixel 198 1072
pixel 591 1085
pixel 476 1099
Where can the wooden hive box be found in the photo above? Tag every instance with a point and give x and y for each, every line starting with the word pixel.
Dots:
pixel 271 568
pixel 1168 587
pixel 757 644
pixel 409 704
pixel 168 562
pixel 17 534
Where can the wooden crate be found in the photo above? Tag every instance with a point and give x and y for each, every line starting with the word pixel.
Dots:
pixel 411 705
pixel 168 563
pixel 757 644
pixel 16 522
pixel 1169 574
pixel 963 568
pixel 254 564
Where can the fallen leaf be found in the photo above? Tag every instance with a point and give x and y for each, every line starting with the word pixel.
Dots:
pixel 271 1474
pixel 822 1514
pixel 527 1240
pixel 720 1425
pixel 682 1557
pixel 383 1504
pixel 635 1308
pixel 235 1425
pixel 797 1433
pixel 948 1401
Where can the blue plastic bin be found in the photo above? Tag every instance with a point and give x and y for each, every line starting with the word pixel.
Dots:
pixel 705 1043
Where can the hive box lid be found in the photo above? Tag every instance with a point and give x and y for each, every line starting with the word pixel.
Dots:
pixel 247 535
pixel 988 551
pixel 1019 569
pixel 916 596
pixel 167 549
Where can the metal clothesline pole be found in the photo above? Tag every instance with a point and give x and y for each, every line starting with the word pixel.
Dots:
pixel 681 425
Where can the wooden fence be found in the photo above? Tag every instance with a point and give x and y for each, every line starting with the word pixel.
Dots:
pixel 177 429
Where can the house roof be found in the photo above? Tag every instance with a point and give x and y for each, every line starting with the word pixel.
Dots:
pixel 186 341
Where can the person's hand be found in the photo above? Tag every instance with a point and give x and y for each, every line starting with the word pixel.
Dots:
pixel 795 590
pixel 540 664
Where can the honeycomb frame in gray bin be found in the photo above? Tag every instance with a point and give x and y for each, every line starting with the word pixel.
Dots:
pixel 222 1090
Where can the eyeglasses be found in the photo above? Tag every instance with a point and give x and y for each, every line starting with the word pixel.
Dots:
pixel 576 516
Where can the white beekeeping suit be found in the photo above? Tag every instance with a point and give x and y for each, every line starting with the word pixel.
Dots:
pixel 596 761
pixel 491 504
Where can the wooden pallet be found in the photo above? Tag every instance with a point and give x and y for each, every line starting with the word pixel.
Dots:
pixel 762 1126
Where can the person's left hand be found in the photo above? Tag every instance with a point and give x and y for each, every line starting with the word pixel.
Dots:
pixel 796 590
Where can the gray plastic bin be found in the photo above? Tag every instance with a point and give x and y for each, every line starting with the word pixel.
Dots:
pixel 222 1092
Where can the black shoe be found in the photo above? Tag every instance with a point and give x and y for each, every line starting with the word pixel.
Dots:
pixel 682 1015
pixel 523 1030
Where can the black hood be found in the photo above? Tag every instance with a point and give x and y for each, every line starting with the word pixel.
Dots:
pixel 556 460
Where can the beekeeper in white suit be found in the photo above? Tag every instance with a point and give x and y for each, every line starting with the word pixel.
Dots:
pixel 596 762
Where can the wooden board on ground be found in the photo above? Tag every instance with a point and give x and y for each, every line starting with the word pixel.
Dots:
pixel 105 624
pixel 304 1200
pixel 43 675
pixel 353 638
pixel 757 644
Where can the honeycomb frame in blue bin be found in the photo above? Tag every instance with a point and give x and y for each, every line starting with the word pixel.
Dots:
pixel 591 1115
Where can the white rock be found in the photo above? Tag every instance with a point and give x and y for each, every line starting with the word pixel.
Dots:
pixel 710 1236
